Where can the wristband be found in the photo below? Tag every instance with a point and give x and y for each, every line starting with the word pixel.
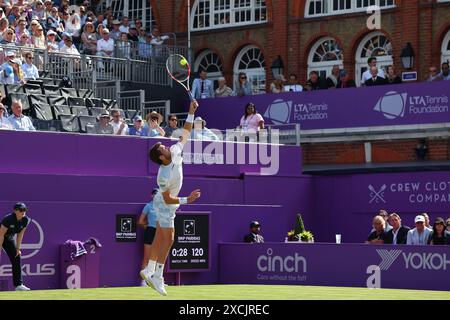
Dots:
pixel 183 200
pixel 190 118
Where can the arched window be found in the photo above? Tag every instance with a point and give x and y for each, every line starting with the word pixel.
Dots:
pixel 211 63
pixel 324 55
pixel 141 10
pixel 315 8
pixel 251 61
pixel 375 45
pixel 446 48
pixel 213 14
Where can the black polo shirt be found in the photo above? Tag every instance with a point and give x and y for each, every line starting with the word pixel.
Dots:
pixel 14 226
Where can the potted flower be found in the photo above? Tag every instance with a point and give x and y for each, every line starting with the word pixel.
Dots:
pixel 299 234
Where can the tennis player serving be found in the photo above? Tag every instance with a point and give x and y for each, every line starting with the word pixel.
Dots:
pixel 166 202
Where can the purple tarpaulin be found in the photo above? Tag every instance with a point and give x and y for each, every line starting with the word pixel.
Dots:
pixel 419 103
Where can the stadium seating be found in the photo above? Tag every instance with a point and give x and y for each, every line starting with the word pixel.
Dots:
pixel 86 121
pixel 59 110
pixel 51 90
pixel 69 92
pixel 57 101
pixel 32 88
pixel 79 111
pixel 69 123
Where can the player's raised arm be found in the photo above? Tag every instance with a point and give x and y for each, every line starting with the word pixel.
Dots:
pixel 189 121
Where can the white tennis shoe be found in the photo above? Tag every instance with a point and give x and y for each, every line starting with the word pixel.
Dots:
pixel 158 285
pixel 22 288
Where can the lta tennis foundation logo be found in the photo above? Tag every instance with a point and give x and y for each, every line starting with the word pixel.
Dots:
pixel 279 112
pixel 392 105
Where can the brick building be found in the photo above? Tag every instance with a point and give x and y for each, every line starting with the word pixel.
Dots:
pixel 228 36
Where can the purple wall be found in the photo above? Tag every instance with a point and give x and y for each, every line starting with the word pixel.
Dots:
pixel 418 103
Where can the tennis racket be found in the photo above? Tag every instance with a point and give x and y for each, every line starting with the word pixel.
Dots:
pixel 179 70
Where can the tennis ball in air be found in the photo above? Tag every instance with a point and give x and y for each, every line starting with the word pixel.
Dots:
pixel 183 62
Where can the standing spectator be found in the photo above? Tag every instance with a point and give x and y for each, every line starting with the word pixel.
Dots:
pixel 138 128
pixel 419 235
pixel 103 126
pixel 243 87
pixel 89 39
pixel 142 35
pixel 433 75
pixel 379 235
pixel 138 24
pixel 398 233
pixel 345 81
pixel 18 120
pixel 202 88
pixel 156 35
pixel 154 119
pixel 372 62
pixel 172 125
pixel 391 77
pixel 29 69
pixel 119 125
pixel 251 121
pixel 124 47
pixel 105 48
pixel 439 235
pixel 133 33
pixel 277 85
pixel 115 32
pixel 145 48
pixel 254 236
pixel 124 28
pixel 333 78
pixel 83 15
pixel 99 33
pixel 315 82
pixel 12 224
pixel 445 74
pixel 5 124
pixel 375 80
pixel 223 90
pixel 427 221
pixel 293 85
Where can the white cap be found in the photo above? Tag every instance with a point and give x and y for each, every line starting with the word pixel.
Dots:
pixel 419 218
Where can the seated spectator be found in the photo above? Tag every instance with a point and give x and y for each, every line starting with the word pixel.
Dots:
pixel 333 78
pixel 293 85
pixel 52 44
pixel 25 41
pixel 8 37
pixel 448 224
pixel 379 235
pixel 157 36
pixel 154 119
pixel 315 82
pixel 133 33
pixel 105 48
pixel 72 25
pixel 277 85
pixel 439 235
pixel 372 62
pixel 201 132
pixel 33 24
pixel 21 29
pixel 138 128
pixel 433 75
pixel 18 120
pixel 375 80
pixel 7 75
pixel 251 122
pixel 38 38
pixel 5 124
pixel 387 227
pixel 223 90
pixel 243 87
pixel 4 25
pixel 119 125
pixel 142 34
pixel 427 221
pixel 123 47
pixel 103 126
pixel 99 34
pixel 398 233
pixel 89 39
pixel 14 14
pixel 19 77
pixel 419 235
pixel 69 47
pixel 115 33
pixel 202 88
pixel 391 77
pixel 345 81
pixel 29 69
pixel 254 236
pixel 39 10
pixel 445 73
pixel 172 125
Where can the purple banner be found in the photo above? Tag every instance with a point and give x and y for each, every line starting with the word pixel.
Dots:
pixel 405 267
pixel 419 103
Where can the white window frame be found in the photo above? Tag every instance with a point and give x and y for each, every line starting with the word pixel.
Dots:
pixel 260 5
pixel 125 8
pixel 324 66
pixel 329 11
pixel 254 75
pixel 361 62
pixel 213 76
pixel 445 51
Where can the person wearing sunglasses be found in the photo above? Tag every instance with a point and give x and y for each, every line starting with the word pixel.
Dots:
pixel 30 71
pixel 439 235
pixel 172 125
pixel 243 87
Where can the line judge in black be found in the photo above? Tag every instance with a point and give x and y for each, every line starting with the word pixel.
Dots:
pixel 254 236
pixel 14 223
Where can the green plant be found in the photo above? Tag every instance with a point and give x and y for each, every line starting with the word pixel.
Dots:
pixel 306 236
pixel 299 233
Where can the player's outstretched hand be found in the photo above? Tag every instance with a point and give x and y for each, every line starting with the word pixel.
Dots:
pixel 194 195
pixel 193 107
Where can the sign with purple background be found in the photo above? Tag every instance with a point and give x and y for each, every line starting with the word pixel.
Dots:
pixel 418 103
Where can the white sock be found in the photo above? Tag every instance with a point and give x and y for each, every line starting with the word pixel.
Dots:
pixel 159 270
pixel 151 266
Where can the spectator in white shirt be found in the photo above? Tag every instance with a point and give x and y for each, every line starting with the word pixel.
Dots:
pixel 69 47
pixel 119 126
pixel 372 62
pixel 5 124
pixel 7 74
pixel 124 28
pixel 427 221
pixel 419 235
pixel 105 47
pixel 18 120
pixel 30 71
pixel 293 85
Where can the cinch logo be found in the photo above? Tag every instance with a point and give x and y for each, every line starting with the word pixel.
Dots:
pixel 279 111
pixel 280 264
pixel 388 257
pixel 377 196
pixel 392 105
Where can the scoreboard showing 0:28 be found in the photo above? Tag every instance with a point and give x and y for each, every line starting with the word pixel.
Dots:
pixel 190 250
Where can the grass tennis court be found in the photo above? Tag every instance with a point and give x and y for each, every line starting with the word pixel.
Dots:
pixel 230 292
